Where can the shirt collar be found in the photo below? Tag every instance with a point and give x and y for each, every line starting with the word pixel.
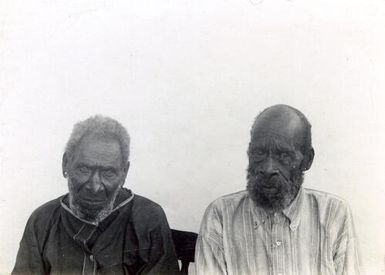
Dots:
pixel 124 197
pixel 292 212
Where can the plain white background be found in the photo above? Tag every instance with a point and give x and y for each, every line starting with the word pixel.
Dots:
pixel 187 79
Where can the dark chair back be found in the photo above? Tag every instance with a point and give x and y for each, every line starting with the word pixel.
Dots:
pixel 184 243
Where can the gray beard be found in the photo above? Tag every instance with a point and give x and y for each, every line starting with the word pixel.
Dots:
pixel 284 192
pixel 91 215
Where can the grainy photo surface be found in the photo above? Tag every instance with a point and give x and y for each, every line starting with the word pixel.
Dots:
pixel 127 128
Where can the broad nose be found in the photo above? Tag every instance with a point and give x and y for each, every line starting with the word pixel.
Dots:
pixel 269 168
pixel 95 184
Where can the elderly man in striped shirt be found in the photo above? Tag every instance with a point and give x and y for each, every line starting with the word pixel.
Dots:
pixel 276 226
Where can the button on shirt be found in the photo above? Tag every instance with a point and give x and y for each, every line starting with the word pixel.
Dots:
pixel 134 239
pixel 314 235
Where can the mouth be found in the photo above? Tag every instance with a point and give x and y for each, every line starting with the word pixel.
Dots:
pixel 272 182
pixel 271 186
pixel 92 204
pixel 92 201
pixel 270 190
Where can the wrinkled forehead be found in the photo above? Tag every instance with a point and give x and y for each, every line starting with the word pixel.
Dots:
pixel 98 148
pixel 272 143
pixel 277 129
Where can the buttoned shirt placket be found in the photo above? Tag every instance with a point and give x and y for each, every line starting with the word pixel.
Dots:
pixel 82 237
pixel 277 223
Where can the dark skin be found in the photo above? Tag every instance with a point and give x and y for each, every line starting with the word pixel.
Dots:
pixel 95 174
pixel 276 162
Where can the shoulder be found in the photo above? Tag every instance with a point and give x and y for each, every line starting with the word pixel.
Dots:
pixel 227 204
pixel 45 212
pixel 219 211
pixel 136 204
pixel 42 219
pixel 146 210
pixel 230 200
pixel 331 208
pixel 325 199
pixel 140 202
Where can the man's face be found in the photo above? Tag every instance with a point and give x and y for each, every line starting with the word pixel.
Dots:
pixel 95 175
pixel 274 173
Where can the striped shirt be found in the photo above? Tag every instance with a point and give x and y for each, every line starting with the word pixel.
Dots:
pixel 314 235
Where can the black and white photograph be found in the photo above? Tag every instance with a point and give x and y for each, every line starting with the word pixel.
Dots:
pixel 192 137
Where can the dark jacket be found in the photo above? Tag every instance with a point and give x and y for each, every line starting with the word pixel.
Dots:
pixel 134 239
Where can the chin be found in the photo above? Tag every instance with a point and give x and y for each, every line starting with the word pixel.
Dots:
pixel 285 192
pixel 268 201
pixel 91 209
pixel 86 209
pixel 92 206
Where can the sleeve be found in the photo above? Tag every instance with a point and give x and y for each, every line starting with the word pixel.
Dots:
pixel 209 253
pixel 29 258
pixel 161 258
pixel 346 252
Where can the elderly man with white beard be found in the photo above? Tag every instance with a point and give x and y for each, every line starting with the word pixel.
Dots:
pixel 99 227
pixel 276 226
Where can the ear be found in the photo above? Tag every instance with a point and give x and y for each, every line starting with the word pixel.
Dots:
pixel 64 165
pixel 308 160
pixel 249 149
pixel 126 167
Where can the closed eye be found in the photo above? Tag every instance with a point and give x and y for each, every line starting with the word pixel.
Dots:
pixel 83 169
pixel 285 157
pixel 258 155
pixel 109 173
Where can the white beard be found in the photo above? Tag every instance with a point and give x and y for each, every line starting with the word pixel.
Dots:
pixel 94 217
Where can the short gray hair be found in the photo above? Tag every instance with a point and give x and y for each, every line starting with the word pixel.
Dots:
pixel 104 126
